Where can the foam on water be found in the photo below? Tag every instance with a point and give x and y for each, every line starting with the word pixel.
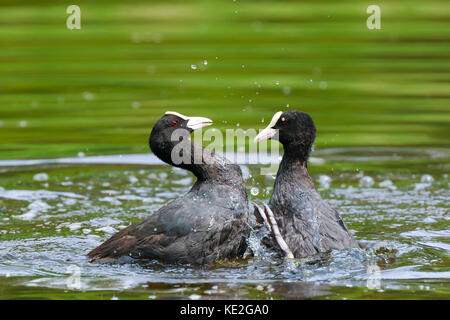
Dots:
pixel 32 195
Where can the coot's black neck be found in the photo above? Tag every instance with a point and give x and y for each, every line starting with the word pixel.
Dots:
pixel 294 170
pixel 209 166
pixel 203 163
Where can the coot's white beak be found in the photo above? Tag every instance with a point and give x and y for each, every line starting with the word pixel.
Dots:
pixel 193 123
pixel 269 132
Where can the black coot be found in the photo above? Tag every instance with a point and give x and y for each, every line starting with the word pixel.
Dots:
pixel 208 223
pixel 306 223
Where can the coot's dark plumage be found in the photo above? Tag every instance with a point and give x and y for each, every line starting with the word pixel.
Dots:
pixel 208 223
pixel 307 223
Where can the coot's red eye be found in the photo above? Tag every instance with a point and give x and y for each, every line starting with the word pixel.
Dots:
pixel 174 123
pixel 284 121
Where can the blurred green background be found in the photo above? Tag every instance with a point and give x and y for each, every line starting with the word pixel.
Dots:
pixel 99 90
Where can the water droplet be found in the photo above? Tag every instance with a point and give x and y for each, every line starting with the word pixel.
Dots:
pixel 193 67
pixel 387 184
pixel 366 181
pixel 325 181
pixel 133 179
pixel 40 176
pixel 254 191
pixel 427 178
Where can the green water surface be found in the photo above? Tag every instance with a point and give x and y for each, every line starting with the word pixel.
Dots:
pixel 99 90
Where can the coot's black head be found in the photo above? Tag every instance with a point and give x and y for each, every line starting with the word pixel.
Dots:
pixel 294 129
pixel 172 128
